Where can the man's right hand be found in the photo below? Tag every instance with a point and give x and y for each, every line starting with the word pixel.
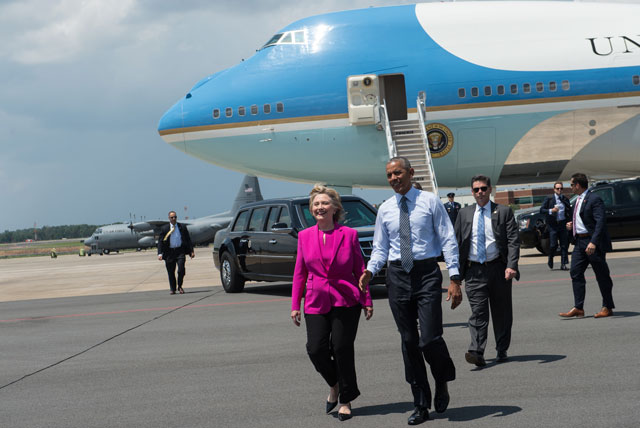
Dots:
pixel 159 256
pixel 569 225
pixel 364 280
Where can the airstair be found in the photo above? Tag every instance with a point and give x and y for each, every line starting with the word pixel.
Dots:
pixel 408 138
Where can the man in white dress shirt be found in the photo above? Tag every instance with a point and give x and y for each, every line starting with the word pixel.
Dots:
pixel 412 229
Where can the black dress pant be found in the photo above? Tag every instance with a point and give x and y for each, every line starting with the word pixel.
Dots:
pixel 172 259
pixel 489 292
pixel 330 340
pixel 415 299
pixel 579 262
pixel 558 233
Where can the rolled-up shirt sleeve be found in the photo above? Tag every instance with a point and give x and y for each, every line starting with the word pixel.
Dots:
pixel 447 237
pixel 380 250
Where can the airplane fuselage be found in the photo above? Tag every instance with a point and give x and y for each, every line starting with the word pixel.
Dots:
pixel 522 91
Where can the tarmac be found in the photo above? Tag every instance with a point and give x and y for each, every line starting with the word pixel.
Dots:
pixel 99 342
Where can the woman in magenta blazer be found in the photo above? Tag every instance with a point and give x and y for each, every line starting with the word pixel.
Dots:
pixel 329 263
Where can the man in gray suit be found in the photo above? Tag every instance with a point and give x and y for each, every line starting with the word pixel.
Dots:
pixel 489 247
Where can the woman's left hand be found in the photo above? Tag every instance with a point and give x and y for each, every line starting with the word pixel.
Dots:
pixel 368 312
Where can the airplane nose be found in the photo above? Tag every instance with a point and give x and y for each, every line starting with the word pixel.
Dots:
pixel 88 241
pixel 173 118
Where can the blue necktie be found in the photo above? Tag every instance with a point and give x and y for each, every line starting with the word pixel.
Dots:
pixel 482 251
pixel 406 255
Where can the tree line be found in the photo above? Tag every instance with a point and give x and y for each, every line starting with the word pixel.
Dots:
pixel 46 233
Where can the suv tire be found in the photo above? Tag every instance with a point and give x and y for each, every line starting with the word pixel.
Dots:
pixel 232 281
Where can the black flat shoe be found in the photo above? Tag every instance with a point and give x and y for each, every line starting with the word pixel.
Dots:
pixel 331 405
pixel 419 415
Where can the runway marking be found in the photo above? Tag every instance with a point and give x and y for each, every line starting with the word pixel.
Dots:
pixel 170 308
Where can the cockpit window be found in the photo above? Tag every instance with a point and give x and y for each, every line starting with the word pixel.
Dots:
pixel 287 38
pixel 273 40
pixel 98 231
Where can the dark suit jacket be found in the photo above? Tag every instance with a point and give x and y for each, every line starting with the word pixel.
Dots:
pixel 505 231
pixel 593 216
pixel 549 203
pixel 163 246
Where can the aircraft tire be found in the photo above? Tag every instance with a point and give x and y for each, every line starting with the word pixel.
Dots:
pixel 106 252
pixel 232 281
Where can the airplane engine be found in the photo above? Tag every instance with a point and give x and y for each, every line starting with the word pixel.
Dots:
pixel 146 242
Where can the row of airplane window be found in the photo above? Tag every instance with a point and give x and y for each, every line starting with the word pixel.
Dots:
pixel 526 88
pixel 242 111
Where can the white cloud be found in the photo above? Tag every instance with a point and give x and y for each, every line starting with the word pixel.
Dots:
pixel 66 28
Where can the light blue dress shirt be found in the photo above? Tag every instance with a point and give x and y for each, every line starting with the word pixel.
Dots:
pixel 491 248
pixel 431 231
pixel 175 239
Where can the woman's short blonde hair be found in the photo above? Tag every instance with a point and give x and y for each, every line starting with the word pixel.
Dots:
pixel 321 189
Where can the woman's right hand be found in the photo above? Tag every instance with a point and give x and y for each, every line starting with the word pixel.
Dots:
pixel 295 317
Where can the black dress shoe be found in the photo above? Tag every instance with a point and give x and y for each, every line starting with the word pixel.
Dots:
pixel 331 405
pixel 502 356
pixel 419 415
pixel 345 416
pixel 441 400
pixel 564 267
pixel 475 358
pixel 550 264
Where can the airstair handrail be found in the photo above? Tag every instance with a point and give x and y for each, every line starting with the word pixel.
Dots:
pixel 384 119
pixel 422 118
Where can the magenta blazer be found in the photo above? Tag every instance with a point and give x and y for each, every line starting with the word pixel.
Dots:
pixel 333 285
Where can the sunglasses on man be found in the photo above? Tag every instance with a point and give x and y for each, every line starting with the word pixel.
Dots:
pixel 477 189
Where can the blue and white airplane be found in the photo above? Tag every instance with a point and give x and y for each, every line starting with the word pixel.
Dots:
pixel 520 91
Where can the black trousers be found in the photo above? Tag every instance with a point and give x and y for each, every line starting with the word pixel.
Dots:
pixel 172 259
pixel 330 339
pixel 415 299
pixel 558 233
pixel 488 292
pixel 579 262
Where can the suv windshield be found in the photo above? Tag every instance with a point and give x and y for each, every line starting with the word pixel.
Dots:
pixel 357 214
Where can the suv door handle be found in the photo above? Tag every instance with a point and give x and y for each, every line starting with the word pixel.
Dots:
pixel 272 241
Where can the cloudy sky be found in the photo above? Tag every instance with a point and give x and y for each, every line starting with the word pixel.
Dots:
pixel 83 84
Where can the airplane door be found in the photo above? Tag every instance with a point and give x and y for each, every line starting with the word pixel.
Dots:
pixel 394 94
pixel 363 93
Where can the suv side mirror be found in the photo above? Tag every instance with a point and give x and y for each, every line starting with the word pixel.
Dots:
pixel 281 228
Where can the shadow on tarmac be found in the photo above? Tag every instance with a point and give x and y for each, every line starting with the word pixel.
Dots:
pixel 543 358
pixel 383 409
pixel 470 413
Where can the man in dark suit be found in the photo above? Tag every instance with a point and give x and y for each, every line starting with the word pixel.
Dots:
pixel 452 207
pixel 174 244
pixel 591 244
pixel 489 246
pixel 557 209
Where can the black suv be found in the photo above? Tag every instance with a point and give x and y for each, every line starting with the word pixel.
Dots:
pixel 261 241
pixel 622 208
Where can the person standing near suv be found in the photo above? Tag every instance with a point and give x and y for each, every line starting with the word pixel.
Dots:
pixel 173 246
pixel 557 209
pixel 591 244
pixel 329 263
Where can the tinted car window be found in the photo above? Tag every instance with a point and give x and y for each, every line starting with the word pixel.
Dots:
pixel 273 217
pixel 285 217
pixel 630 193
pixel 606 194
pixel 257 219
pixel 356 214
pixel 241 222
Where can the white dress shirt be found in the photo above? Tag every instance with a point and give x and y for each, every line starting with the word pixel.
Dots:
pixel 431 231
pixel 560 205
pixel 579 226
pixel 489 240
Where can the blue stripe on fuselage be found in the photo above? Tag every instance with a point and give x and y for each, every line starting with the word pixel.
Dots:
pixel 310 80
